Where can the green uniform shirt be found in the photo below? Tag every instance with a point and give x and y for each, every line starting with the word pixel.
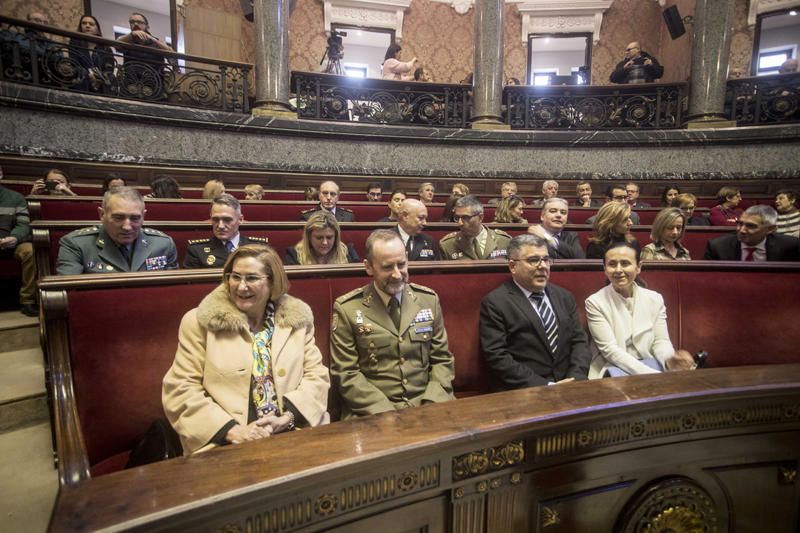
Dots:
pixel 458 246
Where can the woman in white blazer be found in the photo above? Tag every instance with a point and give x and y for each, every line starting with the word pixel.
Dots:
pixel 628 323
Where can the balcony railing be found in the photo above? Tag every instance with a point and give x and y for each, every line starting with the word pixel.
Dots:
pixel 53 58
pixel 583 107
pixel 344 99
pixel 764 100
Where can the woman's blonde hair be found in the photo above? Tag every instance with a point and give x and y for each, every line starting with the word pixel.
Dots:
pixel 305 252
pixel 608 217
pixel 267 256
pixel 665 218
pixel 212 189
pixel 504 210
pixel 462 189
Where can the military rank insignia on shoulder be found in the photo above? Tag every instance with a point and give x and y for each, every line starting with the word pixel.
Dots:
pixel 259 239
pixel 154 232
pixel 343 209
pixel 198 241
pixel 91 230
pixel 501 232
pixel 307 211
pixel 422 288
pixel 452 235
pixel 350 295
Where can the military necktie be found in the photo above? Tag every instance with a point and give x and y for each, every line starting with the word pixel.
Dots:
pixel 548 319
pixel 394 312
pixel 126 255
pixel 229 246
pixel 409 246
pixel 476 249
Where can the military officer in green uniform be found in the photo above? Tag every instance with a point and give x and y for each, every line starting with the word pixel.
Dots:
pixel 388 342
pixel 473 240
pixel 120 244
pixel 226 217
pixel 328 197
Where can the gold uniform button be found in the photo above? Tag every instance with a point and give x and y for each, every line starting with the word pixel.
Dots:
pixel 405 381
pixel 425 337
pixel 282 372
pixel 372 345
pixel 402 360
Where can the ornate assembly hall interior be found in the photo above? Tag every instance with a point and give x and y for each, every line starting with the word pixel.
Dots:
pixel 450 128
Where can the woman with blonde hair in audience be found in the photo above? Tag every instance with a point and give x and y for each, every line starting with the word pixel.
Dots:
pixel 394 206
pixel 461 189
pixel 510 210
pixel 321 244
pixel 212 189
pixel 253 191
pixel 611 225
pixel 164 187
pixel 628 323
pixel 244 324
pixel 666 234
pixel 727 212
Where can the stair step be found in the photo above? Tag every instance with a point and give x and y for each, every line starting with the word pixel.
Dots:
pixel 22 392
pixel 18 331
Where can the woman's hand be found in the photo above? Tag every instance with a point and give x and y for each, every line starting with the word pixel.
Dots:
pixel 681 360
pixel 253 431
pixel 39 187
pixel 276 424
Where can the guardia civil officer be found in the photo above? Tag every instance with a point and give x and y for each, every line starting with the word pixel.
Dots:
pixel 120 243
pixel 388 342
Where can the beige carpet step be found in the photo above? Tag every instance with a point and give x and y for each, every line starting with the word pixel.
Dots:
pixel 22 394
pixel 17 331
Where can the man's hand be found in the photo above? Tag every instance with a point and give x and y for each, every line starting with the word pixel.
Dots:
pixel 565 380
pixel 141 37
pixel 628 65
pixel 647 62
pixel 585 200
pixel 63 188
pixel 681 360
pixel 9 242
pixel 253 431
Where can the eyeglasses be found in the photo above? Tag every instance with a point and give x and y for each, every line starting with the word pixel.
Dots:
pixel 251 280
pixel 134 21
pixel 632 48
pixel 535 260
pixel 464 218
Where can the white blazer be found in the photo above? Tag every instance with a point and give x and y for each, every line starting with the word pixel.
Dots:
pixel 611 325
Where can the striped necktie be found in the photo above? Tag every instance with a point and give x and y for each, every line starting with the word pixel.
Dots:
pixel 548 319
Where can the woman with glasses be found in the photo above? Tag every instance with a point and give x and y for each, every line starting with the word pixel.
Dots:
pixel 612 224
pixel 687 202
pixel 321 244
pixel 668 229
pixel 247 366
pixel 628 323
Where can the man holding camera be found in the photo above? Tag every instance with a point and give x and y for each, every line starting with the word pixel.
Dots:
pixel 637 67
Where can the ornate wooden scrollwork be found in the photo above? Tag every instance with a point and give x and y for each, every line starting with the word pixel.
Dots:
pixel 488 460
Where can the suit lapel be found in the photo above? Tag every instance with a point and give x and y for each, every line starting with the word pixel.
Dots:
pixel 279 338
pixel 109 252
pixel 491 244
pixel 464 245
pixel 375 311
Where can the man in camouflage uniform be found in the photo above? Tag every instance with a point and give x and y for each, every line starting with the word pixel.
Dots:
pixel 388 342
pixel 226 216
pixel 473 240
pixel 120 244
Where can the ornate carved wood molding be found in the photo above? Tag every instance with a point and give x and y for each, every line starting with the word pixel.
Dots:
pixel 369 13
pixel 462 7
pixel 758 7
pixel 571 16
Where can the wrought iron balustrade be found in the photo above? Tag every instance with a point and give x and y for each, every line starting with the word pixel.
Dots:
pixel 57 59
pixel 577 107
pixel 340 98
pixel 773 99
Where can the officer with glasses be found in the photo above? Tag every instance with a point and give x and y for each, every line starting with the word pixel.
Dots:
pixel 473 240
pixel 530 332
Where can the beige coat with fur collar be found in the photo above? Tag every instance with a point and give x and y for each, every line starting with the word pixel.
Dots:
pixel 209 381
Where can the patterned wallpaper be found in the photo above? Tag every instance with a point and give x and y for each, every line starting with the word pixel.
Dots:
pixel 676 56
pixel 247 37
pixel 62 13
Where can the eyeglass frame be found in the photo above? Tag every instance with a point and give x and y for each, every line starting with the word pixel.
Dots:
pixel 465 218
pixel 543 260
pixel 252 282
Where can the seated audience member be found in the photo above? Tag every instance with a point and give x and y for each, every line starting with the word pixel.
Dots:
pixel 628 323
pixel 473 240
pixel 449 208
pixel 120 243
pixel 549 190
pixel 54 183
pixel 328 198
pixel 15 237
pixel 520 354
pixel 426 192
pixel 506 189
pixel 510 211
pixel 755 239
pixel 726 212
pixel 666 234
pixel 164 186
pixel 394 206
pixel 413 217
pixel 423 74
pixel 321 244
pixel 669 196
pixel 409 363
pixel 374 192
pixel 788 215
pixel 788 67
pixel 245 323
pixel 632 189
pixel 393 68
pixel 612 225
pixel 637 66
pixel 615 193
pixel 226 217
pixel 461 189
pixel 212 189
pixel 253 191
pixel 310 194
pixel 113 180
pixel 584 192
pixel 561 244
pixel 687 202
pixel 512 81
pixel 96 60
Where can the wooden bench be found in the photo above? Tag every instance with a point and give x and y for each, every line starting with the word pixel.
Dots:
pixel 109 339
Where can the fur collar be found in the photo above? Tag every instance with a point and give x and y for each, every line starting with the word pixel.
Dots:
pixel 217 313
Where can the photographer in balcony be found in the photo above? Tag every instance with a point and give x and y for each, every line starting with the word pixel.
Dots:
pixel 54 183
pixel 394 69
pixel 637 67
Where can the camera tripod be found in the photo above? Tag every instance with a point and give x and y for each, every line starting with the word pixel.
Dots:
pixel 334 64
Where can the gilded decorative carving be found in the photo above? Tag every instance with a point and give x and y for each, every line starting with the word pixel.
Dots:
pixel 676 519
pixel 550 517
pixel 407 481
pixel 488 460
pixel 230 528
pixel 326 504
pixel 482 486
pixel 516 478
pixel 787 475
pixel 675 504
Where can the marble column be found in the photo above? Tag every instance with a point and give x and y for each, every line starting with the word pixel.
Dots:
pixel 271 19
pixel 710 52
pixel 487 97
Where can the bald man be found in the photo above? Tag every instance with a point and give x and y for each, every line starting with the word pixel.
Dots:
pixel 637 66
pixel 328 198
pixel 412 220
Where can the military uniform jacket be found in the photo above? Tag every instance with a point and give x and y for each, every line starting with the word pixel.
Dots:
pixel 91 251
pixel 211 253
pixel 341 214
pixel 380 368
pixel 423 249
pixel 457 246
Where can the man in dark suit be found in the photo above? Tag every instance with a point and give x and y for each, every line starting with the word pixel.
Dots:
pixel 328 197
pixel 529 329
pixel 226 216
pixel 755 239
pixel 413 216
pixel 561 244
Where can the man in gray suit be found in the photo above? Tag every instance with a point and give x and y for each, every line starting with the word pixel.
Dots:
pixel 120 244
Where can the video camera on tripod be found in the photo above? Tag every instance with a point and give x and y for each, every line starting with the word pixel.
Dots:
pixel 334 53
